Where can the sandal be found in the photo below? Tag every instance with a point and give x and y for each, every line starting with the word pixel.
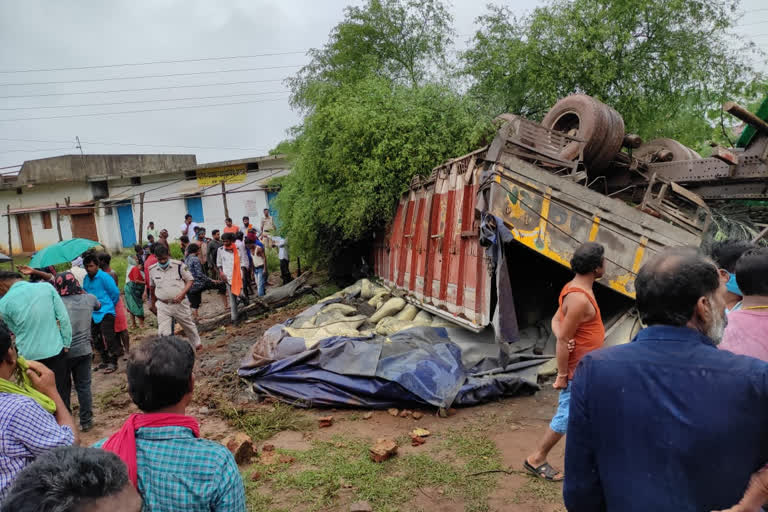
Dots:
pixel 111 368
pixel 545 471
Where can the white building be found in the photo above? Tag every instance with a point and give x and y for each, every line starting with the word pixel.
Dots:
pixel 100 197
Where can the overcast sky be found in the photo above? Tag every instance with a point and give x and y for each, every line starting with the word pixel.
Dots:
pixel 36 34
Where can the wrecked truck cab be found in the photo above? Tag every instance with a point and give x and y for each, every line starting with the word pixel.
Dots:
pixel 484 244
pixel 487 238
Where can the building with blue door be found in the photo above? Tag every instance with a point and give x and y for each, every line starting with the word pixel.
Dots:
pixel 127 225
pixel 112 198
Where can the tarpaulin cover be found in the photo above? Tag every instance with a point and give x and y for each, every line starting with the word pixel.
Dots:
pixel 416 367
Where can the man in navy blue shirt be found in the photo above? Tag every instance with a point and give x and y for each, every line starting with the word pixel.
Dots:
pixel 667 422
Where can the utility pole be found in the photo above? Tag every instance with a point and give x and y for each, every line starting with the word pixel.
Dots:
pixel 58 221
pixel 10 240
pixel 141 218
pixel 224 196
pixel 79 146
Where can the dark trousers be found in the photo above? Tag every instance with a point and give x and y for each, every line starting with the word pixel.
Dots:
pixel 79 371
pixel 246 281
pixel 284 272
pixel 105 341
pixel 58 365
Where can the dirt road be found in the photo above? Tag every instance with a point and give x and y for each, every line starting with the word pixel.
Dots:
pixel 328 469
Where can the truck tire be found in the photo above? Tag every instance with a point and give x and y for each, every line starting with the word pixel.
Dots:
pixel 612 143
pixel 582 116
pixel 646 152
pixel 694 154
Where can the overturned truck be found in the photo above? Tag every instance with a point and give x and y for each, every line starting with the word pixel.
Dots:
pixel 471 266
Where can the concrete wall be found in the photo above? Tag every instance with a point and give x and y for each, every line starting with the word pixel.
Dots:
pixel 39 195
pixel 164 204
pixel 83 168
pixel 166 209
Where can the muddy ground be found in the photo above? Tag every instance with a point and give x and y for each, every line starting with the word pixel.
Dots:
pixel 471 461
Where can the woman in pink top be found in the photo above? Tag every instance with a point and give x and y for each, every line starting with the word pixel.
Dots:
pixel 747 330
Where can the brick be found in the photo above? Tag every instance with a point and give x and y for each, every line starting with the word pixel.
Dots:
pixel 241 446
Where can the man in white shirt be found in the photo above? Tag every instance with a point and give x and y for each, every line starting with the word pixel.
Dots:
pixel 282 254
pixel 227 258
pixel 188 228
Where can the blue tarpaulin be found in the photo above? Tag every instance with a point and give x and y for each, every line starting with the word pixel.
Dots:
pixel 421 366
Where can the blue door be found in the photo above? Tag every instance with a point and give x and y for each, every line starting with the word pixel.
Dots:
pixel 272 211
pixel 127 229
pixel 195 208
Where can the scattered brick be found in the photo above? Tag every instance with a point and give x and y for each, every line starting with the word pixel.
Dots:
pixel 241 446
pixel 383 450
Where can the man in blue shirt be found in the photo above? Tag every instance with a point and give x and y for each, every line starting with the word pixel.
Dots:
pixel 668 421
pixel 103 286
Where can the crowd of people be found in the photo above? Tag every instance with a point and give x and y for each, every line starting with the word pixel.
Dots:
pixel 52 323
pixel 675 419
pixel 672 420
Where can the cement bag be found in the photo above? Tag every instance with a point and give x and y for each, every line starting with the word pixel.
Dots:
pixel 441 322
pixel 378 299
pixel 335 327
pixel 391 325
pixel 353 290
pixel 408 313
pixel 423 319
pixel 304 322
pixel 337 318
pixel 391 307
pixel 343 308
pixel 366 289
pixel 329 331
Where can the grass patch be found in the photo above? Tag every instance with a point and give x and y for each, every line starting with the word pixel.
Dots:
pixel 108 398
pixel 263 423
pixel 539 491
pixel 329 466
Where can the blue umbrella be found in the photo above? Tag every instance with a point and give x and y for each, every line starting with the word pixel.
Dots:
pixel 62 252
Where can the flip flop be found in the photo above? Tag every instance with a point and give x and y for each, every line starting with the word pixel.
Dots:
pixel 545 471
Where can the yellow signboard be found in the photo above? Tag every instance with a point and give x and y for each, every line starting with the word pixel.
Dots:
pixel 226 174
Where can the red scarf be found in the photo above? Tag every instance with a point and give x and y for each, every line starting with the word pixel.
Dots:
pixel 123 442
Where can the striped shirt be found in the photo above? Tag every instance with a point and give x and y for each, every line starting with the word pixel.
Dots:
pixel 26 431
pixel 178 471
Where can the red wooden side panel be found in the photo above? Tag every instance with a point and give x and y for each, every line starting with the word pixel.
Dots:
pixel 432 249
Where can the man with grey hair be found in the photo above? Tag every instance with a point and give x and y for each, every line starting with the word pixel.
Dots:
pixel 667 422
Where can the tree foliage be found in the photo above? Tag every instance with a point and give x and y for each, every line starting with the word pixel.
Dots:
pixel 665 65
pixel 355 155
pixel 399 40
pixel 378 108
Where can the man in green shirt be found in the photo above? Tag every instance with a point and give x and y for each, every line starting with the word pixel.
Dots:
pixel 35 313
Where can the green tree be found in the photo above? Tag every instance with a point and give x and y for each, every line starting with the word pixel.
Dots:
pixel 356 153
pixel 400 40
pixel 665 65
pixel 375 116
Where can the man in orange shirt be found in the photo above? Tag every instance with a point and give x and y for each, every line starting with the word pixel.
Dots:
pixel 230 228
pixel 577 319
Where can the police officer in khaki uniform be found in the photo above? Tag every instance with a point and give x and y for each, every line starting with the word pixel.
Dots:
pixel 170 280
